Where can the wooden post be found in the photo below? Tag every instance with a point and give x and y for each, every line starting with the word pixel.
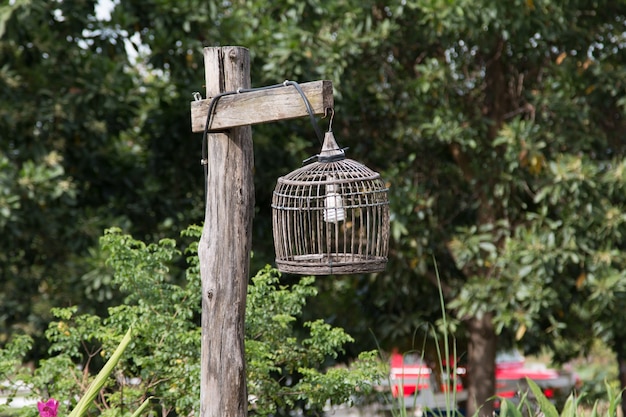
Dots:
pixel 225 246
pixel 226 241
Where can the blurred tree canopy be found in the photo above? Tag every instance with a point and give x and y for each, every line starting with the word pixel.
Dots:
pixel 499 126
pixel 78 155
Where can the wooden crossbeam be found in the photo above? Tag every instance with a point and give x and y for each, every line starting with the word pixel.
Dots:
pixel 262 106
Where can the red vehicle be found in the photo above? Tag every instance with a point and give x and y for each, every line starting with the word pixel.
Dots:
pixel 512 371
pixel 426 384
pixel 411 375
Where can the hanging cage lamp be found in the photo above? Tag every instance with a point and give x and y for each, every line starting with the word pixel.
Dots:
pixel 331 216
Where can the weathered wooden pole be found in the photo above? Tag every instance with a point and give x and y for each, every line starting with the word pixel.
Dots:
pixel 225 245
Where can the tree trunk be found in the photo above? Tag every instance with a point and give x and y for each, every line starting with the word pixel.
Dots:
pixel 225 245
pixel 481 365
pixel 482 336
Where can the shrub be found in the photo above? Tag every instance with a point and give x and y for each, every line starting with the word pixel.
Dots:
pixel 285 362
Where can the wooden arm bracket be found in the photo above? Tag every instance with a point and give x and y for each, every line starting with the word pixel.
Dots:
pixel 263 106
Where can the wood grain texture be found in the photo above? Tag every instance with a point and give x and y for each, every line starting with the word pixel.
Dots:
pixel 225 245
pixel 261 106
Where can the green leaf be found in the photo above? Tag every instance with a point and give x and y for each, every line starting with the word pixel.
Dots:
pixel 525 270
pixel 570 407
pixel 83 405
pixel 547 408
pixel 613 398
pixel 594 410
pixel 487 247
pixel 508 409
pixel 142 408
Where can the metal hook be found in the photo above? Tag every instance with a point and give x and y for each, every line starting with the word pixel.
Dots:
pixel 332 116
pixel 197 96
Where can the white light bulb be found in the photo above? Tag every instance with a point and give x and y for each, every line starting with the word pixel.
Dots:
pixel 334 211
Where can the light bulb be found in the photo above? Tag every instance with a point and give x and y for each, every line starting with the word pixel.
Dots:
pixel 334 211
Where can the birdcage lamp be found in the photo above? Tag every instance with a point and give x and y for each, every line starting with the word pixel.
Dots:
pixel 331 216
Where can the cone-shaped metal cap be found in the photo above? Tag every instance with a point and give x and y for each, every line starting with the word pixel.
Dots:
pixel 330 150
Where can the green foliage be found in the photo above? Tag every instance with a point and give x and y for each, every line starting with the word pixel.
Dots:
pixel 499 126
pixel 287 359
pixel 74 160
pixel 285 371
pixel 12 368
pixel 534 402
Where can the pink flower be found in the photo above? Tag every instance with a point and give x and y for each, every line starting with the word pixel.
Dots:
pixel 49 408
